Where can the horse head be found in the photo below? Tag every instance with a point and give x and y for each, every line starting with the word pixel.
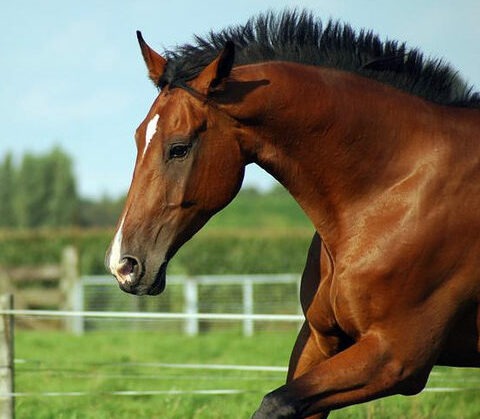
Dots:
pixel 189 165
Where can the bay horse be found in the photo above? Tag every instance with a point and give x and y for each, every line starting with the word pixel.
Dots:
pixel 381 148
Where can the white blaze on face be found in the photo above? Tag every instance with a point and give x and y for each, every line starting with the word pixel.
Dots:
pixel 151 130
pixel 116 252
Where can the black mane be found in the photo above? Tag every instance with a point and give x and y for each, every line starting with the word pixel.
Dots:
pixel 300 37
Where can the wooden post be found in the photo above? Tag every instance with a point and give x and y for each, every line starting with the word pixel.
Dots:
pixel 72 289
pixel 191 306
pixel 247 306
pixel 7 400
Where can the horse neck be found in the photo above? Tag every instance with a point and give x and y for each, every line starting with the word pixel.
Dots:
pixel 319 132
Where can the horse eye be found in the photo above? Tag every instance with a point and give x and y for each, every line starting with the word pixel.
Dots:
pixel 178 151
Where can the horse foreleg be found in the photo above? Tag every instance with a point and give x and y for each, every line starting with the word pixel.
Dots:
pixel 305 354
pixel 364 371
pixel 304 351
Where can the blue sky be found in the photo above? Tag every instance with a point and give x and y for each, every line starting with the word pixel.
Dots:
pixel 71 73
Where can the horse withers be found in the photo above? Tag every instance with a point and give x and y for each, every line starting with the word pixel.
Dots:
pixel 379 146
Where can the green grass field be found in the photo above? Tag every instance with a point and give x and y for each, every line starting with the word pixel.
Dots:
pixel 97 364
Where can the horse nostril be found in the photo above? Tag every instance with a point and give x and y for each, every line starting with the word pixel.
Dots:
pixel 128 269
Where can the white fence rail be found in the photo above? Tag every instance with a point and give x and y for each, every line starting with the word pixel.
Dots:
pixel 157 316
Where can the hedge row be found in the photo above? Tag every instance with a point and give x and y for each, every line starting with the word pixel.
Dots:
pixel 212 251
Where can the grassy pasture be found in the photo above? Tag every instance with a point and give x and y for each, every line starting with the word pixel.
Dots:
pixel 101 363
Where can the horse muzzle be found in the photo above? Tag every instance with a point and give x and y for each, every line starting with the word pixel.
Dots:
pixel 131 275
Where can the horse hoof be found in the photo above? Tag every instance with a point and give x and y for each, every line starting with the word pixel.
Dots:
pixel 275 407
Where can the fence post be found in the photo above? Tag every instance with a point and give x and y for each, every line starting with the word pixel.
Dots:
pixel 190 292
pixel 247 306
pixel 7 400
pixel 72 288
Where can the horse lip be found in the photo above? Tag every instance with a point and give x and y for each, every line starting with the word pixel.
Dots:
pixel 128 288
pixel 159 284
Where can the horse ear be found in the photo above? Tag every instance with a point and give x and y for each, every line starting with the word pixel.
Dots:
pixel 213 77
pixel 154 61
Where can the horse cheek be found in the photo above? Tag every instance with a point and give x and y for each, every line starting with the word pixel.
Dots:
pixel 229 173
pixel 215 178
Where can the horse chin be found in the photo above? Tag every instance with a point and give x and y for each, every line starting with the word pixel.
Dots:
pixel 159 284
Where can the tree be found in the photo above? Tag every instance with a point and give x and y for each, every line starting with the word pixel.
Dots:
pixel 31 192
pixel 8 217
pixel 103 212
pixel 46 190
pixel 62 200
